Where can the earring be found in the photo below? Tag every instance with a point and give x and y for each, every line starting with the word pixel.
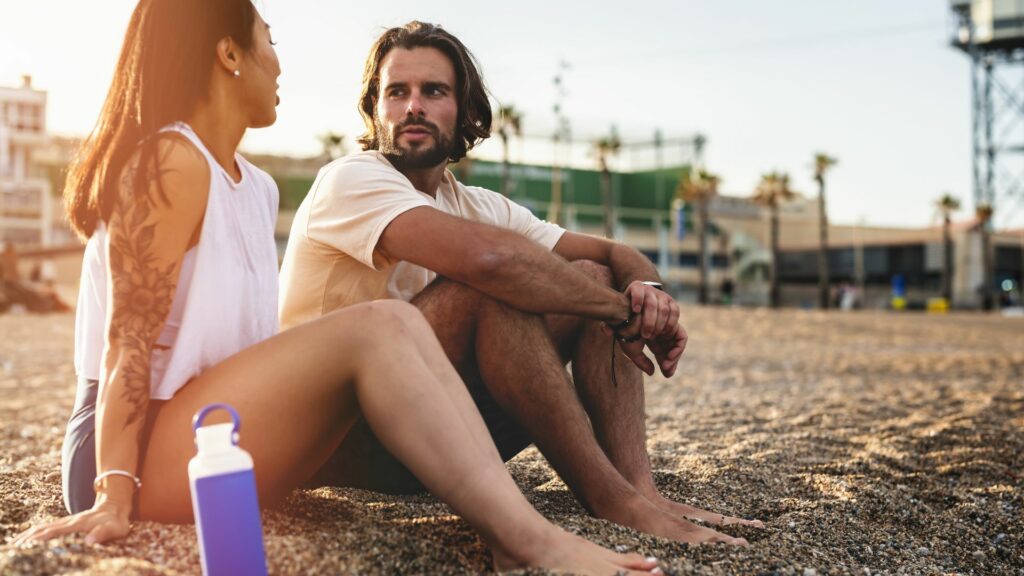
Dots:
pixel 237 73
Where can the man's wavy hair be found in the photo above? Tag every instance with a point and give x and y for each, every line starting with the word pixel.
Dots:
pixel 474 120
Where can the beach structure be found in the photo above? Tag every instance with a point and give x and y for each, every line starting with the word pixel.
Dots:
pixel 26 203
pixel 991 34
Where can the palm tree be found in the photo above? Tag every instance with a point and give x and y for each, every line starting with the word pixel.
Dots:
pixel 699 189
pixel 946 205
pixel 509 123
pixel 333 145
pixel 771 192
pixel 603 149
pixel 983 213
pixel 822 164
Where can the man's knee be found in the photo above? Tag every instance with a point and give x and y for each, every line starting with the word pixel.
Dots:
pixel 566 330
pixel 598 272
pixel 444 297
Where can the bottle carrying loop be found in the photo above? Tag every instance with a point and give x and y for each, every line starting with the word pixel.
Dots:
pixel 197 420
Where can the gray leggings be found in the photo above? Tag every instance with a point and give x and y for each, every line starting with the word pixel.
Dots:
pixel 78 456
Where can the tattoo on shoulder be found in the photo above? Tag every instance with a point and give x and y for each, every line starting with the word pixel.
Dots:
pixel 143 288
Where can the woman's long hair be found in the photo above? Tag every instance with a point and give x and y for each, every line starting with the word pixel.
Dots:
pixel 162 74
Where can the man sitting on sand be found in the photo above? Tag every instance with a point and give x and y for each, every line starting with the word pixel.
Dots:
pixel 512 299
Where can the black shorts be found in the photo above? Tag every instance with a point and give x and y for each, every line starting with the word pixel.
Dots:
pixel 362 462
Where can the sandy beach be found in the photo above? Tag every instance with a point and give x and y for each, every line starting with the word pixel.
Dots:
pixel 868 443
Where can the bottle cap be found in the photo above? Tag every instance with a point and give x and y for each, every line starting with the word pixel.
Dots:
pixel 218 437
pixel 215 438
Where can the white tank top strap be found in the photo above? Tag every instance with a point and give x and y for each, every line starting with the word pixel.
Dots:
pixel 187 131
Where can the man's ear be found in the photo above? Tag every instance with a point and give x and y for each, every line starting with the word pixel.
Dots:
pixel 229 56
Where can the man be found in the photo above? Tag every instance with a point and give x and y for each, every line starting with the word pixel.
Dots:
pixel 511 298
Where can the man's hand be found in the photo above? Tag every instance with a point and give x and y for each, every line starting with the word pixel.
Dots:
pixel 668 349
pixel 655 325
pixel 657 313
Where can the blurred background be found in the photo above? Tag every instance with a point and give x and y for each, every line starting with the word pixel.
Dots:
pixel 850 154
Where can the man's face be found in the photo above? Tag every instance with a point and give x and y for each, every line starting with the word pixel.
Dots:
pixel 417 110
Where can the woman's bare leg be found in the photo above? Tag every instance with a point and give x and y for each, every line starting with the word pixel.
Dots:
pixel 298 395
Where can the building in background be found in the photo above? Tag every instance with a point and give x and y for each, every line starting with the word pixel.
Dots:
pixel 871 258
pixel 26 201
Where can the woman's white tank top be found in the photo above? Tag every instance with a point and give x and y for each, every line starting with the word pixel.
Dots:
pixel 226 296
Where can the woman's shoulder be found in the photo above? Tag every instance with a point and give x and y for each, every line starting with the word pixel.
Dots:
pixel 169 171
pixel 169 158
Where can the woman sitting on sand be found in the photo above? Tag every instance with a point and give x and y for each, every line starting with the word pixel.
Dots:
pixel 178 309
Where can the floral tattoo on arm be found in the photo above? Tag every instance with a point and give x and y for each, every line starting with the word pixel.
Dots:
pixel 143 287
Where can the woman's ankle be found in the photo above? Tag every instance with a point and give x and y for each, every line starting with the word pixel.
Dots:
pixel 519 548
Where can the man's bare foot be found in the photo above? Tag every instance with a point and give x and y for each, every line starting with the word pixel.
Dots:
pixel 687 511
pixel 641 514
pixel 561 551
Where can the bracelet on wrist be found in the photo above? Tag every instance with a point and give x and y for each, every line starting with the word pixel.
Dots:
pixel 109 473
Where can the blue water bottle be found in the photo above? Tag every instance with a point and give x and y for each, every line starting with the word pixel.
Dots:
pixel 224 501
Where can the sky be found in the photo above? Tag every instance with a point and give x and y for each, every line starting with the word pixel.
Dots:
pixel 873 83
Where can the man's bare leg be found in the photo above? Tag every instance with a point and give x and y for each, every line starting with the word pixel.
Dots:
pixel 618 412
pixel 516 358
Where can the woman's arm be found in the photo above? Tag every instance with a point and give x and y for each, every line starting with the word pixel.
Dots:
pixel 149 234
pixel 156 220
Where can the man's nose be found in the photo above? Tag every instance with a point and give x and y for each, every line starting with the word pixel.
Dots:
pixel 415 107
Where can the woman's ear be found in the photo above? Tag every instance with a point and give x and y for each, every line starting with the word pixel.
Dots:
pixel 229 56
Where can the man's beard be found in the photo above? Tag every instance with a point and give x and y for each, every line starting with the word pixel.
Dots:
pixel 414 158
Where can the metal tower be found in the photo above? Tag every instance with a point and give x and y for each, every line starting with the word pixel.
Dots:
pixel 991 34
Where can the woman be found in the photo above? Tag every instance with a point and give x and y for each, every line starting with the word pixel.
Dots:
pixel 180 231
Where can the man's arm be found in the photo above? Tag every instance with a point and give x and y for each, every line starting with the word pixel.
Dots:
pixel 500 263
pixel 658 312
pixel 626 264
pixel 630 269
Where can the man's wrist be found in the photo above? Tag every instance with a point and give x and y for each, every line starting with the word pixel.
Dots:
pixel 650 279
pixel 617 309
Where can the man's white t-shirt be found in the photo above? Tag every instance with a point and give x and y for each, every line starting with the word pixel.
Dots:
pixel 332 259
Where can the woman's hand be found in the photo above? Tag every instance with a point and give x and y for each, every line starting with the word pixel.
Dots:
pixel 104 522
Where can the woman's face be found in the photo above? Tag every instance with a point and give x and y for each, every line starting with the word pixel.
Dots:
pixel 258 74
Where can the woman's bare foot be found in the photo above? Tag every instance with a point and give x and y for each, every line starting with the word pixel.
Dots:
pixel 561 551
pixel 687 511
